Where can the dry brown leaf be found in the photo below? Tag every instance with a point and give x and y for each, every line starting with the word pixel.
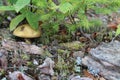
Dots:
pixel 87 74
pixel 20 77
pixel 118 20
pixel 17 75
pixel 112 26
pixel 88 49
pixel 83 39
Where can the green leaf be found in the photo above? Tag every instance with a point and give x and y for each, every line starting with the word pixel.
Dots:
pixel 118 30
pixel 32 19
pixel 85 23
pixel 56 27
pixel 64 8
pixel 12 1
pixel 71 27
pixel 40 3
pixel 16 21
pixel 45 17
pixel 6 8
pixel 21 4
pixel 53 6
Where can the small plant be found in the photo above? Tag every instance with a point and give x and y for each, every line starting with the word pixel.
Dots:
pixel 64 64
pixel 71 13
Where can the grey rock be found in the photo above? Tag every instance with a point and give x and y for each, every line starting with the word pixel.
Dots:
pixel 78 54
pixel 106 58
pixel 11 45
pixel 16 74
pixel 77 77
pixel 108 53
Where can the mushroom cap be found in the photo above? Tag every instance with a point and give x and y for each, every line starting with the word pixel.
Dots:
pixel 25 31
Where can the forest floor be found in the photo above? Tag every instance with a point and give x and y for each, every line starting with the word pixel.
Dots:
pixel 60 59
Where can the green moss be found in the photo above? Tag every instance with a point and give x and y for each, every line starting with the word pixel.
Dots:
pixel 75 45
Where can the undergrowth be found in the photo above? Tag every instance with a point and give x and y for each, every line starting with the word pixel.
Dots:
pixel 52 13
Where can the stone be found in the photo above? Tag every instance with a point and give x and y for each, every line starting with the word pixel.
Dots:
pixel 75 45
pixel 106 58
pixel 17 75
pixel 78 54
pixel 11 45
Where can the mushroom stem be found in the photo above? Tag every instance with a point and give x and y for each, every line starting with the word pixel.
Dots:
pixel 28 41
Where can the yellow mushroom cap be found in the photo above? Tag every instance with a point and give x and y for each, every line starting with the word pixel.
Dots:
pixel 25 31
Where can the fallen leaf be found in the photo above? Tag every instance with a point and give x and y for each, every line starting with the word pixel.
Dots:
pixel 17 75
pixel 83 39
pixel 87 74
pixel 112 26
pixel 20 77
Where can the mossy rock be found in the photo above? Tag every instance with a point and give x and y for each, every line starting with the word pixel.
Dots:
pixel 75 45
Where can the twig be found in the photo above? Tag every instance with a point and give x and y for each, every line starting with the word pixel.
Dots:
pixel 32 6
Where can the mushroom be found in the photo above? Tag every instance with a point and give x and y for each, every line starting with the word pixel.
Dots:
pixel 27 32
